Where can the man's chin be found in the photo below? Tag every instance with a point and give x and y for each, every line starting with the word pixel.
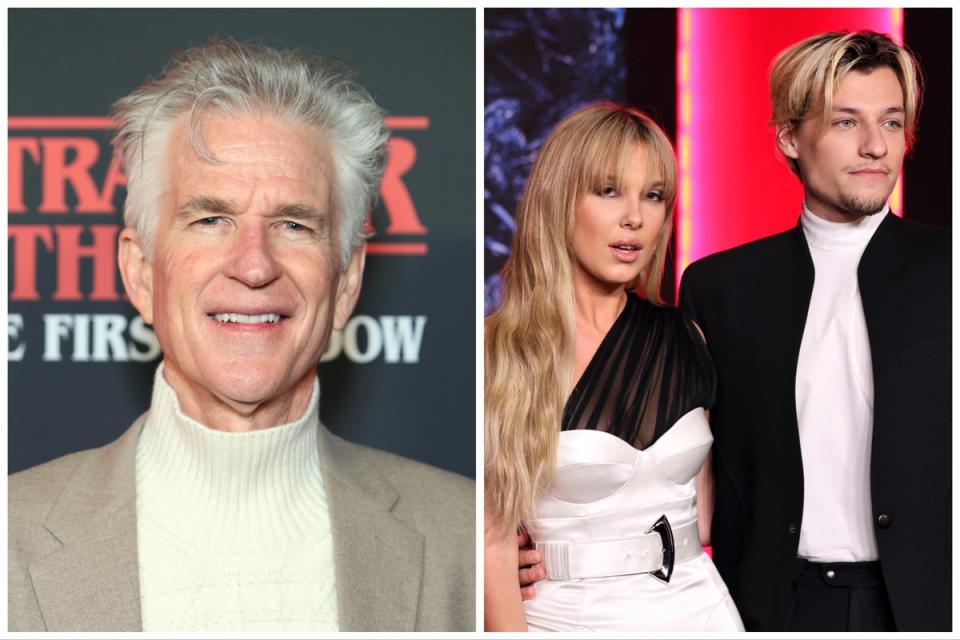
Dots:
pixel 250 387
pixel 863 206
pixel 250 392
pixel 254 391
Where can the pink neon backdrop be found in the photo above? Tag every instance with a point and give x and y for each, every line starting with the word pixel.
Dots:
pixel 740 190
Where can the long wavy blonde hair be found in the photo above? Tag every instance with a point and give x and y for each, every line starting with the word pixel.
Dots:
pixel 528 341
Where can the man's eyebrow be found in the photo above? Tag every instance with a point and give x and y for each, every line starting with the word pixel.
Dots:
pixel 217 206
pixel 854 111
pixel 298 211
pixel 204 204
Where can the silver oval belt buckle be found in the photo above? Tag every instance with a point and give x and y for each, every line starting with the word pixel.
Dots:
pixel 662 527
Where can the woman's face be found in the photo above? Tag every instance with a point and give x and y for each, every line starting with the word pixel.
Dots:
pixel 616 228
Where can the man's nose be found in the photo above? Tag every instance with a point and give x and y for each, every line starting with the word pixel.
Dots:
pixel 252 259
pixel 874 145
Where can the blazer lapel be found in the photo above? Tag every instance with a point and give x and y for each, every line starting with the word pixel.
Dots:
pixel 379 558
pixel 794 288
pixel 882 259
pixel 91 582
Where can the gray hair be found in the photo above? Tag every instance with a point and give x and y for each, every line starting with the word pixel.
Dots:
pixel 231 77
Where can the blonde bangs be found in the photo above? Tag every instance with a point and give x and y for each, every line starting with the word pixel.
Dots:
pixel 608 146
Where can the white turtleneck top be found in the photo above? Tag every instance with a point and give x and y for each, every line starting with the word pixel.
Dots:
pixel 835 397
pixel 233 529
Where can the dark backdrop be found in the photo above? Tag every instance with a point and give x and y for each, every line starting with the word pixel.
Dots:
pixel 541 64
pixel 77 376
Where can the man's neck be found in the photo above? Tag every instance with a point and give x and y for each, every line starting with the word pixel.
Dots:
pixel 834 214
pixel 838 218
pixel 226 414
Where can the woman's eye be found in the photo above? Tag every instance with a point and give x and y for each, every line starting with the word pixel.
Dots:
pixel 608 192
pixel 656 196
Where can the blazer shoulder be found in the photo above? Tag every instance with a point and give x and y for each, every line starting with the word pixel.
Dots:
pixel 32 495
pixel 426 493
pixel 32 492
pixel 80 482
pixel 736 272
pixel 407 472
pixel 743 257
pixel 930 240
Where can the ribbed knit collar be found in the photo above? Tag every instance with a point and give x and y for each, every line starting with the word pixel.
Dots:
pixel 829 236
pixel 227 490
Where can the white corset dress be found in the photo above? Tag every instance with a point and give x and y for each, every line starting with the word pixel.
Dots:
pixel 606 490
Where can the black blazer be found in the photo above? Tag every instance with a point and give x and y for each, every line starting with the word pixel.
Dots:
pixel 751 303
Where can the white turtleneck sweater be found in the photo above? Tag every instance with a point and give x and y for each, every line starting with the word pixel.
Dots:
pixel 233 529
pixel 835 397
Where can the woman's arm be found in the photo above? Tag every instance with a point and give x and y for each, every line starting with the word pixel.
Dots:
pixel 502 604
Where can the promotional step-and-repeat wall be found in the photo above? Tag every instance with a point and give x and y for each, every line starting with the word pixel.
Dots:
pixel 399 377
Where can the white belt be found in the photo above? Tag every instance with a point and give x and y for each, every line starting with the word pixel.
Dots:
pixel 565 560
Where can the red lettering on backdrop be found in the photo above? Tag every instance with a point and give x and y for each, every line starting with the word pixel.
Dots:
pixel 115 178
pixel 24 237
pixel 15 152
pixel 102 251
pixel 57 173
pixel 70 160
pixel 396 196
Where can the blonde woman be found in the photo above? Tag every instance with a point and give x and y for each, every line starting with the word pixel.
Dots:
pixel 594 397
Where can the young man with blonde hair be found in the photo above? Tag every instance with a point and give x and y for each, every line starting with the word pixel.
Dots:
pixel 831 340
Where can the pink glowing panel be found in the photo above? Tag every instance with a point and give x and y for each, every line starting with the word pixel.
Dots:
pixel 734 187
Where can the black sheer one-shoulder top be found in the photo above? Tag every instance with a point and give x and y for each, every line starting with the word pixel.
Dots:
pixel 650 370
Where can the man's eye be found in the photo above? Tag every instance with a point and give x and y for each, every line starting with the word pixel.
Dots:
pixel 845 124
pixel 210 221
pixel 295 227
pixel 893 124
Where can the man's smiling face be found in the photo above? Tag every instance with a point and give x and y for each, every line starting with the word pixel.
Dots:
pixel 244 286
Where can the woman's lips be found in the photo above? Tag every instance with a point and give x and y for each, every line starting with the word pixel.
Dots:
pixel 626 251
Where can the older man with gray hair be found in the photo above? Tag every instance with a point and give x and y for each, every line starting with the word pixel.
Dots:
pixel 228 506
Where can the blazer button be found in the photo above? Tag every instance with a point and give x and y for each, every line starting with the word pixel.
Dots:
pixel 791 528
pixel 883 520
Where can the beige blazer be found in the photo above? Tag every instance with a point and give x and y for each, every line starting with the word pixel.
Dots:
pixel 403 535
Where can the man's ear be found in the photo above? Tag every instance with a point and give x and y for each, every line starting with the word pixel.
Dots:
pixel 787 140
pixel 137 273
pixel 348 289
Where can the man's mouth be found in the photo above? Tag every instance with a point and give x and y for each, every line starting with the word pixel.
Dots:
pixel 242 318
